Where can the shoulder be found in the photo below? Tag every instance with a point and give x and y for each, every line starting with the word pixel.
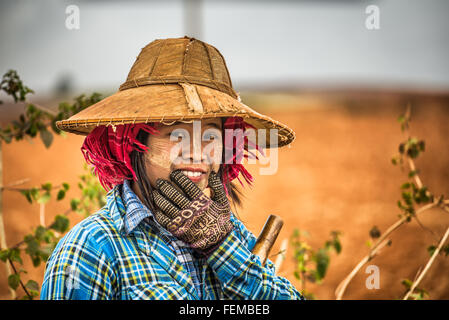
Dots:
pixel 80 267
pixel 90 236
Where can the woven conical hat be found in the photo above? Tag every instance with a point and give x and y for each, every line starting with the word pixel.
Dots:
pixel 177 79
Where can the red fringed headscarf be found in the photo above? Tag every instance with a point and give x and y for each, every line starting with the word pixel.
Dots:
pixel 108 149
pixel 236 149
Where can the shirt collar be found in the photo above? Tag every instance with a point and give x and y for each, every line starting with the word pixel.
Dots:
pixel 135 212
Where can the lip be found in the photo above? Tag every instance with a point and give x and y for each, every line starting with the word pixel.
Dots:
pixel 192 169
pixel 195 179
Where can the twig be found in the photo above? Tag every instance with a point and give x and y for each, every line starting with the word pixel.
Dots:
pixel 419 184
pixel 281 256
pixel 412 166
pixel 24 189
pixel 42 214
pixel 66 213
pixel 429 263
pixel 20 280
pixel 425 228
pixel 342 286
pixel 45 109
pixel 374 249
pixel 417 274
pixel 19 182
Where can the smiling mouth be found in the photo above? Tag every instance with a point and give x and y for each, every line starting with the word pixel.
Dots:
pixel 194 174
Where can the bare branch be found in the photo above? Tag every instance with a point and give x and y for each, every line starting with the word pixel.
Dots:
pixel 16 183
pixel 429 263
pixel 380 243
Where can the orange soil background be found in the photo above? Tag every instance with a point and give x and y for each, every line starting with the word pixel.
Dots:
pixel 337 175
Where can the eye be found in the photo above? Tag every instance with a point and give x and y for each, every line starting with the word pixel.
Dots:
pixel 211 135
pixel 177 134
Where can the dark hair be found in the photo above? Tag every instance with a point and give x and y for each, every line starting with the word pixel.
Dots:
pixel 143 182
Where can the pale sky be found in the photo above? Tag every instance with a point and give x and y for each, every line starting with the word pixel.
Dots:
pixel 270 43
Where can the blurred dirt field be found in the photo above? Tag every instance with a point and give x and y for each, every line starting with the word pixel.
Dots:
pixel 337 175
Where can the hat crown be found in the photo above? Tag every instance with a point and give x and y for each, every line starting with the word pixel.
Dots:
pixel 180 60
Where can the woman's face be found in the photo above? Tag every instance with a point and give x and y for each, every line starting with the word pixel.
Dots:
pixel 195 148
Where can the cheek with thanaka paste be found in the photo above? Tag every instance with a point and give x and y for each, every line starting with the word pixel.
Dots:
pixel 157 159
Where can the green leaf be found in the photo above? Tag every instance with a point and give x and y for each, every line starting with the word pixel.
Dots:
pixel 48 236
pixel 401 148
pixel 4 254
pixel 44 198
pixel 61 195
pixel 337 246
pixel 65 186
pixel 27 194
pixel 407 283
pixel 322 262
pixel 431 249
pixel 46 137
pixel 40 233
pixel 74 204
pixel 34 193
pixel 395 160
pixel 32 285
pixel 421 145
pixel 46 186
pixel 407 196
pixel 413 173
pixel 36 261
pixel 405 185
pixel 14 281
pixel 413 152
pixel 32 245
pixel 14 255
pixel 61 224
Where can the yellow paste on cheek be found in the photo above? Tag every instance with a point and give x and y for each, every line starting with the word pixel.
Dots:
pixel 157 158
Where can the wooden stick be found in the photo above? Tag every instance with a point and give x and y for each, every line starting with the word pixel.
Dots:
pixel 267 237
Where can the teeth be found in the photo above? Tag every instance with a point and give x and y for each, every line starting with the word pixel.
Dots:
pixel 191 173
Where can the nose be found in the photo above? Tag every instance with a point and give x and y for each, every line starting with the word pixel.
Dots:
pixel 203 150
pixel 196 148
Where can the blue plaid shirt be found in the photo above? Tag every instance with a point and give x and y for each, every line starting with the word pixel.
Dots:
pixel 121 252
pixel 136 211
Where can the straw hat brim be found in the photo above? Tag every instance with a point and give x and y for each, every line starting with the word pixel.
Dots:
pixel 167 104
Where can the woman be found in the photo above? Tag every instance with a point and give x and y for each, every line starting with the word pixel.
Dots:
pixel 167 146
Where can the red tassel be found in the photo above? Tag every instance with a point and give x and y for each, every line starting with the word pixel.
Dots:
pixel 109 150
